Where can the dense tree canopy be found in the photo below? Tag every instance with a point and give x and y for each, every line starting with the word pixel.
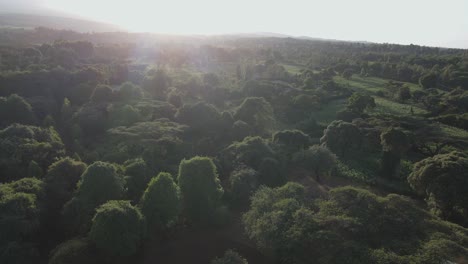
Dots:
pixel 21 144
pixel 350 220
pixel 233 118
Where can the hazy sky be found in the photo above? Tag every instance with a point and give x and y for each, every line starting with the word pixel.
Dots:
pixel 425 22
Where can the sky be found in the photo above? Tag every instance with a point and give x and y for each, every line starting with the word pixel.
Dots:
pixel 424 22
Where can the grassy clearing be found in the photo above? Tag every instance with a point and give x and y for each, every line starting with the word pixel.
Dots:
pixel 385 106
pixel 454 131
pixel 371 85
pixel 293 69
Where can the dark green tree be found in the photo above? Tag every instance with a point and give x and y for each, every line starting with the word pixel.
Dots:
pixel 202 118
pixel 243 181
pixel 161 202
pixel 394 144
pixel 60 183
pixel 258 113
pixel 317 159
pixel 360 102
pixel 428 80
pixel 136 178
pixel 20 144
pixel 230 257
pixel 342 138
pixel 99 183
pixel 102 93
pixel 118 228
pixel 271 172
pixel 14 109
pixel 443 181
pixel 201 188
pixel 291 140
pixel 75 251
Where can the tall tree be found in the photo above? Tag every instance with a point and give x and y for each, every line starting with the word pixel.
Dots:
pixel 394 144
pixel 201 188
pixel 161 202
pixel 118 228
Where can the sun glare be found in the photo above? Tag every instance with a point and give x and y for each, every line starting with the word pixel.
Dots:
pixel 378 21
pixel 176 16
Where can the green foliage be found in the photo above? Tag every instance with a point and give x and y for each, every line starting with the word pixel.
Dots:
pixel 102 93
pixel 347 74
pixel 161 202
pixel 271 172
pixel 394 140
pixel 202 118
pixel 201 188
pixel 20 209
pixel 360 102
pixel 14 109
pixel 175 99
pixel 404 93
pixel 428 80
pixel 240 130
pixel 317 159
pixel 60 183
pixel 251 151
pixel 92 119
pixel 34 170
pixel 342 138
pixel 271 215
pixel 123 115
pixel 28 185
pixel 20 144
pixel 351 225
pixel 128 91
pixel 136 178
pixel 230 257
pixel 20 215
pixel 258 113
pixel 158 143
pixel 118 228
pixel 243 181
pixel 443 181
pixel 292 140
pixel 394 143
pixel 100 182
pixel 74 251
pixel 301 107
pixel 157 83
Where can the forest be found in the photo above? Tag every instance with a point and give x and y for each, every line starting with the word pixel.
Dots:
pixel 149 148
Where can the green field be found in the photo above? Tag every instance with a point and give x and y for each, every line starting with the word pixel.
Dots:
pixel 293 69
pixel 371 85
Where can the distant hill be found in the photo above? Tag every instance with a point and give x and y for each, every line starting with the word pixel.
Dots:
pixel 55 22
